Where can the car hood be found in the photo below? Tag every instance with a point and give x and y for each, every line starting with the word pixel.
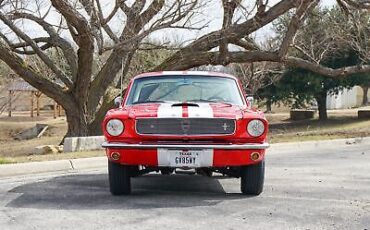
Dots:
pixel 198 110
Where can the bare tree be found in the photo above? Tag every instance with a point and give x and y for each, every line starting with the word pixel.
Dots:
pixel 86 29
pixel 255 76
pixel 80 89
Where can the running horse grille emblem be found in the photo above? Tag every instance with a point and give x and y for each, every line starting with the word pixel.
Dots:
pixel 185 125
pixel 225 126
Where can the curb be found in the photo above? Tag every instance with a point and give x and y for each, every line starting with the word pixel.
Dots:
pixel 75 144
pixel 338 143
pixel 9 170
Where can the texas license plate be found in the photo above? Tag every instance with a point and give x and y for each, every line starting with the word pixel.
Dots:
pixel 185 158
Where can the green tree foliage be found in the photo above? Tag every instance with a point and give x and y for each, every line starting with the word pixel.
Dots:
pixel 299 87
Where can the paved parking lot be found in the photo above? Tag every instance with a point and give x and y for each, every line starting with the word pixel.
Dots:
pixel 306 187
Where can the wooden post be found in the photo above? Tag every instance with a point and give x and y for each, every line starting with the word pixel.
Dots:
pixel 38 95
pixel 59 110
pixel 32 104
pixel 10 103
pixel 55 110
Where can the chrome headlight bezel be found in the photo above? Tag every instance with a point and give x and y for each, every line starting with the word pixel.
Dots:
pixel 115 127
pixel 256 128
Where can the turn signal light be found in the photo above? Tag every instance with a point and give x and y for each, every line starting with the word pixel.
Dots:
pixel 255 156
pixel 115 156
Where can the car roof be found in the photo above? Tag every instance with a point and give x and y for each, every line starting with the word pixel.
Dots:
pixel 192 73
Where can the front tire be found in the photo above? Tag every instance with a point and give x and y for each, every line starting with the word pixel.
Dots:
pixel 119 179
pixel 252 178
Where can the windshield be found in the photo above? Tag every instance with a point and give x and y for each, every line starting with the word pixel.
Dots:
pixel 184 89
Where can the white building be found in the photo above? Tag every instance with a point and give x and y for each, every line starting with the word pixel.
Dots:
pixel 345 99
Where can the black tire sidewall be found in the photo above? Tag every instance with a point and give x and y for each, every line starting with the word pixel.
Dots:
pixel 119 179
pixel 252 178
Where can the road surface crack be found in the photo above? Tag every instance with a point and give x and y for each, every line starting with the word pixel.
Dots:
pixel 71 163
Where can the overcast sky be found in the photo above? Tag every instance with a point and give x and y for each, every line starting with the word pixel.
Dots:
pixel 211 15
pixel 213 12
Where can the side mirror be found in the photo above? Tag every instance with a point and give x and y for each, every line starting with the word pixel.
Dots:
pixel 118 102
pixel 250 100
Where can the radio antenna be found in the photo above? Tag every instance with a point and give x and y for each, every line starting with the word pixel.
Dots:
pixel 121 82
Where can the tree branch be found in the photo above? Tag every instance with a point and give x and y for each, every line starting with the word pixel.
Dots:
pixel 104 21
pixel 302 11
pixel 212 58
pixel 85 41
pixel 233 33
pixel 17 64
pixel 359 4
pixel 64 78
pixel 326 71
pixel 229 10
pixel 55 39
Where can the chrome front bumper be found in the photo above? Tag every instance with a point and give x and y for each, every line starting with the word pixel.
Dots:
pixel 184 146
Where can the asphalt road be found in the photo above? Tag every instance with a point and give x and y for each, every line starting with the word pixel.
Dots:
pixel 314 187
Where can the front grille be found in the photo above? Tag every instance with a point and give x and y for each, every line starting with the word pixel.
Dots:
pixel 185 126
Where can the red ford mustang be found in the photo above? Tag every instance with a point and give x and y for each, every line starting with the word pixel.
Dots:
pixel 171 121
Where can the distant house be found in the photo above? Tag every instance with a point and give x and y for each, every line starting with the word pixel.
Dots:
pixel 345 99
pixel 17 102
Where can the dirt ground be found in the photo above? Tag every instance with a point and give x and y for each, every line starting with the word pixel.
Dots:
pixel 9 126
pixel 341 124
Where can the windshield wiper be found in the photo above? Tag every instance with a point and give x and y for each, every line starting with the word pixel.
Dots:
pixel 146 102
pixel 210 101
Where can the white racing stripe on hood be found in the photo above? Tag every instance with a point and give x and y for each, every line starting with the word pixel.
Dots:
pixel 167 111
pixel 204 111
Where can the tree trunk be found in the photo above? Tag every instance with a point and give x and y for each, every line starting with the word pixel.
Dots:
pixel 94 128
pixel 321 102
pixel 268 106
pixel 365 100
pixel 77 124
pixel 81 123
pixel 76 115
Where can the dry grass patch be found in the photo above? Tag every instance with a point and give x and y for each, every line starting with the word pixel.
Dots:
pixel 9 126
pixel 341 124
pixel 53 157
pixel 5 161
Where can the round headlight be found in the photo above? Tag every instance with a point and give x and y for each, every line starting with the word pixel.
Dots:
pixel 115 127
pixel 255 128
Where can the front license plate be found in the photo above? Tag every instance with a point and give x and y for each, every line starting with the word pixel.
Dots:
pixel 192 158
pixel 185 158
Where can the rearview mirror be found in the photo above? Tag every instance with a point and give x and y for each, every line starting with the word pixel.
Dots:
pixel 118 102
pixel 250 100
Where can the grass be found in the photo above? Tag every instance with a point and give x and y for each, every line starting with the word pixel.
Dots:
pixel 312 130
pixel 53 157
pixel 9 126
pixel 341 124
pixel 319 137
pixel 5 161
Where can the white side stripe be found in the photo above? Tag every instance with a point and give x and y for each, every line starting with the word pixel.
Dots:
pixel 203 111
pixel 167 111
